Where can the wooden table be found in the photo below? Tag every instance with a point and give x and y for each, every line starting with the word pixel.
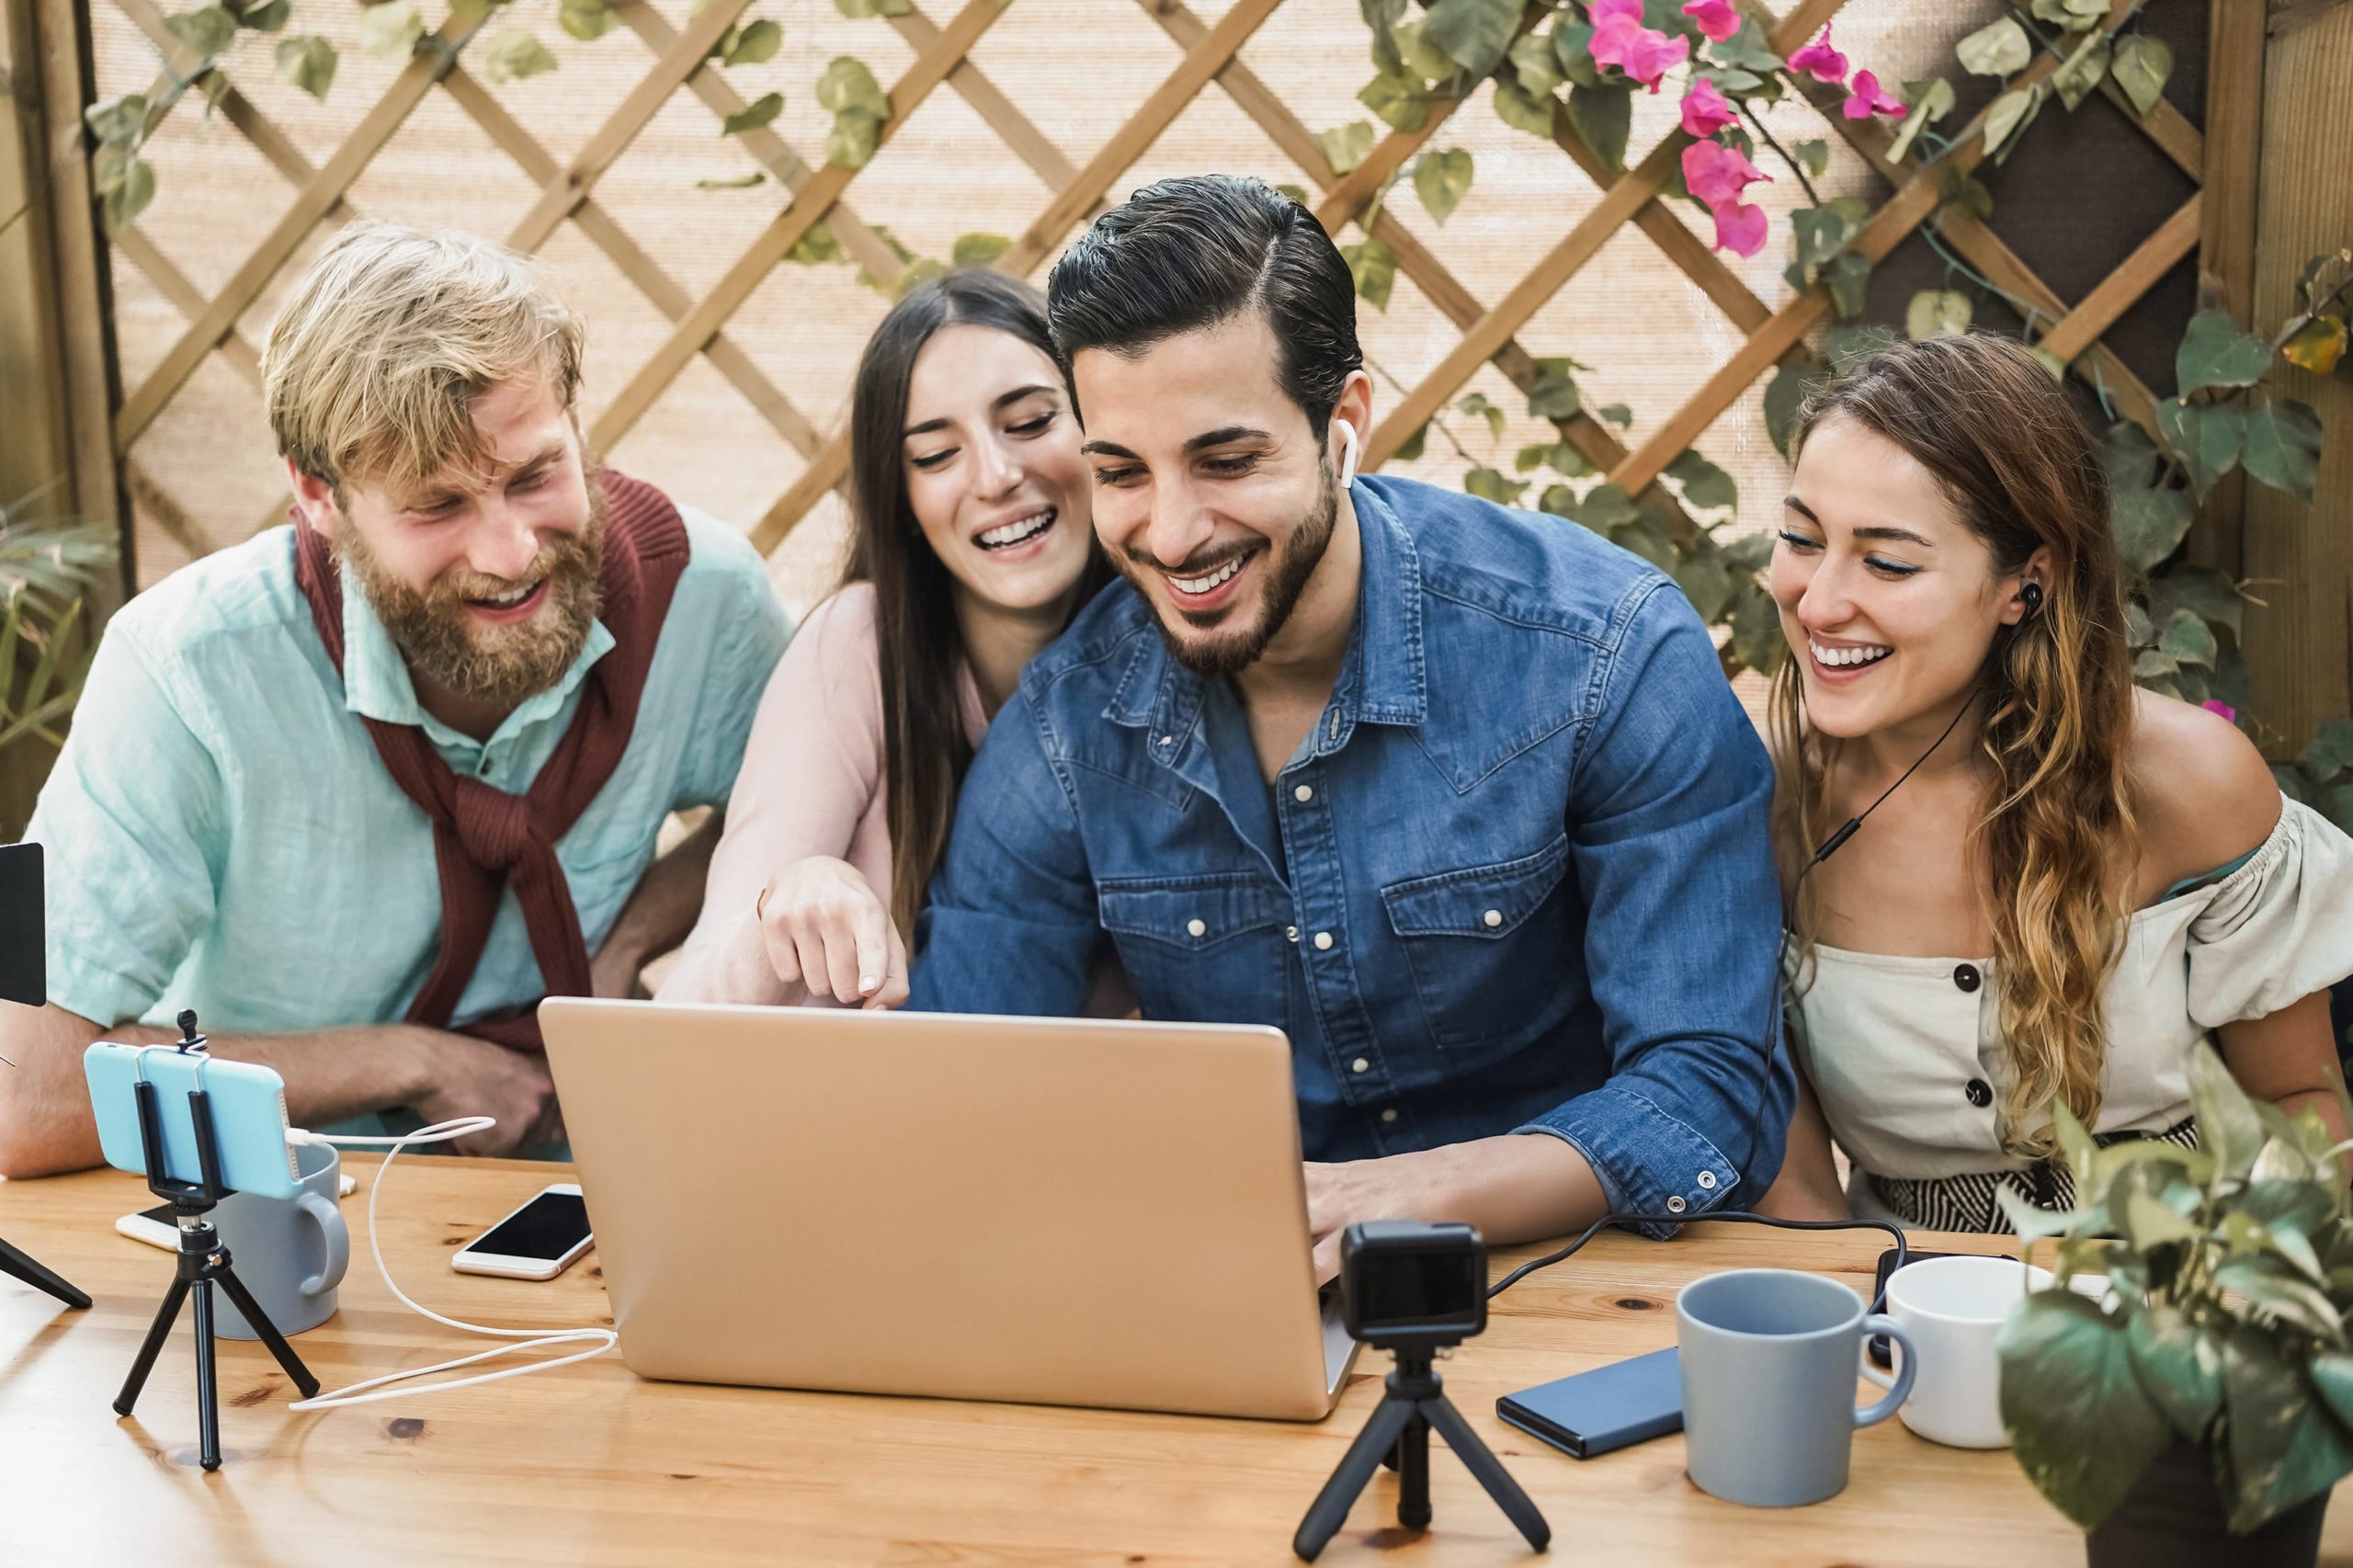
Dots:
pixel 588 1464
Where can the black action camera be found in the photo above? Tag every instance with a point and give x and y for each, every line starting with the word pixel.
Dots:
pixel 1406 1285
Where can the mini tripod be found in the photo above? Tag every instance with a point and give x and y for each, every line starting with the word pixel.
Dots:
pixel 202 1262
pixel 40 1279
pixel 1398 1434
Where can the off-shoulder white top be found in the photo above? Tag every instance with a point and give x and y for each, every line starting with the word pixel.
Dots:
pixel 1904 1053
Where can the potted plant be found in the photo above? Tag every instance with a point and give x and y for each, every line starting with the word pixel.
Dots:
pixel 2201 1408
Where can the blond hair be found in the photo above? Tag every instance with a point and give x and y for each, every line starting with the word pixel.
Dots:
pixel 375 360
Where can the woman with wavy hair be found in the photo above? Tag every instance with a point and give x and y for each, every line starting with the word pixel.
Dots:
pixel 2080 881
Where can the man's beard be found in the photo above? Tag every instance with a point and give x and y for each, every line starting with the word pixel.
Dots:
pixel 440 637
pixel 1292 563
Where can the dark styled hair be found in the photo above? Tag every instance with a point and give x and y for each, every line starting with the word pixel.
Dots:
pixel 1192 253
pixel 2054 838
pixel 918 646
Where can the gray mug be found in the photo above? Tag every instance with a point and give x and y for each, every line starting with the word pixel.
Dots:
pixel 1769 1358
pixel 289 1251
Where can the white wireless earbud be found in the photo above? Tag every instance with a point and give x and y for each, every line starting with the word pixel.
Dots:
pixel 1347 452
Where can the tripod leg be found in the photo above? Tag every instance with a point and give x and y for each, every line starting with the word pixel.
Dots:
pixel 267 1331
pixel 1481 1461
pixel 1414 1473
pixel 151 1345
pixel 207 1392
pixel 1330 1509
pixel 40 1279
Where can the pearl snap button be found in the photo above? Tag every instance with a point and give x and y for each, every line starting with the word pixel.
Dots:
pixel 1675 1205
pixel 1323 942
pixel 1389 1115
pixel 1303 794
pixel 1290 932
pixel 1492 918
pixel 1195 929
pixel 1708 1180
pixel 1359 1065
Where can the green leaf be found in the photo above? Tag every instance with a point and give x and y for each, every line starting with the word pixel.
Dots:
pixel 1646 541
pixel 1926 102
pixel 2206 437
pixel 2318 345
pixel 1847 276
pixel 852 141
pixel 1935 313
pixel 205 32
pixel 1603 118
pixel 1812 156
pixel 1606 508
pixel 2140 65
pixel 390 31
pixel 1751 552
pixel 2284 1445
pixel 2180 1364
pixel 1346 147
pixel 1964 192
pixel 1818 233
pixel 2008 115
pixel 2331 749
pixel 1554 396
pixel 1709 581
pixel 735 182
pixel 816 246
pixel 1373 267
pixel 118 122
pixel 1785 397
pixel 859 9
pixel 1418 57
pixel 755 45
pixel 978 250
pixel 134 188
pixel 1746 49
pixel 1490 485
pixel 1532 64
pixel 2215 353
pixel 2201 590
pixel 309 61
pixel 2082 1426
pixel 1442 180
pixel 2283 446
pixel 1573 50
pixel 1705 485
pixel 848 86
pixel 1757 639
pixel 2149 524
pixel 2272 1288
pixel 264 15
pixel 1399 103
pixel 2227 1127
pixel 921 270
pixel 2080 73
pixel 1523 111
pixel 751 116
pixel 2132 457
pixel 1474 405
pixel 1473 33
pixel 1998 50
pixel 1296 192
pixel 1616 414
pixel 1415 445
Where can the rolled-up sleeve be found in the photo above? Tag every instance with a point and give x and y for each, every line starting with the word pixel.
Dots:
pixel 1669 828
pixel 1011 926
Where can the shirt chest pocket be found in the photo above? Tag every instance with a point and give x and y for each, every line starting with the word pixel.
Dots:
pixel 1210 947
pixel 1485 946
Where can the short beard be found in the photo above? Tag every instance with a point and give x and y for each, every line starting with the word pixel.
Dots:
pixel 437 634
pixel 1293 564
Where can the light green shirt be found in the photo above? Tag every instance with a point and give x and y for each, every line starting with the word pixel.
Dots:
pixel 221 834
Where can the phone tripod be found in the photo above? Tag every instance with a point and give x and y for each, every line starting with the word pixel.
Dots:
pixel 40 1279
pixel 202 1263
pixel 1398 1435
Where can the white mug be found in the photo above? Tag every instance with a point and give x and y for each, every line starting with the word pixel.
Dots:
pixel 1953 1308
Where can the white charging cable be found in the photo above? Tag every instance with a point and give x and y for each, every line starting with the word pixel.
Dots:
pixel 533 1338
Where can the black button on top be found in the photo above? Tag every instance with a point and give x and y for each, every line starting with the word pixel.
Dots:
pixel 1966 977
pixel 1980 1093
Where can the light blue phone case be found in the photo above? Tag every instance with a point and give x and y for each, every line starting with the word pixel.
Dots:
pixel 248 1116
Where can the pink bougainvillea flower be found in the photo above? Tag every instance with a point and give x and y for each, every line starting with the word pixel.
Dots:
pixel 1706 111
pixel 2216 705
pixel 1821 61
pixel 1621 40
pixel 1717 173
pixel 1740 230
pixel 1864 100
pixel 1716 18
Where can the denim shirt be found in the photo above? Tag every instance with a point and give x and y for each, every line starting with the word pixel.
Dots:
pixel 1516 879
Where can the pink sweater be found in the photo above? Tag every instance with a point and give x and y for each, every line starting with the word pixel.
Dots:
pixel 811 785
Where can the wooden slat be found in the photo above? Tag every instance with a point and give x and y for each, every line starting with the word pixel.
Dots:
pixel 256 127
pixel 606 233
pixel 2150 260
pixel 866 247
pixel 182 291
pixel 997 112
pixel 813 202
pixel 157 503
pixel 2163 125
pixel 312 203
pixel 671 67
pixel 2234 56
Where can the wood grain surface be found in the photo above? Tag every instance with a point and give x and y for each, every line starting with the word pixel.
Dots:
pixel 590 1464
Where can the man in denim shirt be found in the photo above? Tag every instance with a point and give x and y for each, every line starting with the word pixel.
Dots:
pixel 1455 795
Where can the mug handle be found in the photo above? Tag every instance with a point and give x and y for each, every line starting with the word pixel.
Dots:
pixel 1901 1383
pixel 329 1219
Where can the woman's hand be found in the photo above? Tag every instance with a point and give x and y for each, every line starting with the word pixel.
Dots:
pixel 823 927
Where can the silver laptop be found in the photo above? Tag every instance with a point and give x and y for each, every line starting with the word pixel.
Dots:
pixel 1060 1211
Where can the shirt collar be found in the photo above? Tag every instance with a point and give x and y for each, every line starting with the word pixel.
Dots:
pixel 376 682
pixel 1381 679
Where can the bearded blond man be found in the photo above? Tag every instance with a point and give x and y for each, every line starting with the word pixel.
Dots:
pixel 363 789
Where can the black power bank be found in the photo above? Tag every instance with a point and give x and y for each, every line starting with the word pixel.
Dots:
pixel 1609 1407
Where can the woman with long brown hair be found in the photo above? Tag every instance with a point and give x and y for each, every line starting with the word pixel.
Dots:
pixel 2080 881
pixel 973 547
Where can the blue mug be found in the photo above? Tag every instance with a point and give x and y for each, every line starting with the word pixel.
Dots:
pixel 1769 1360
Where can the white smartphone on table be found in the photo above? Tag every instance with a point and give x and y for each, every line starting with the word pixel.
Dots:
pixel 538 1241
pixel 158 1227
